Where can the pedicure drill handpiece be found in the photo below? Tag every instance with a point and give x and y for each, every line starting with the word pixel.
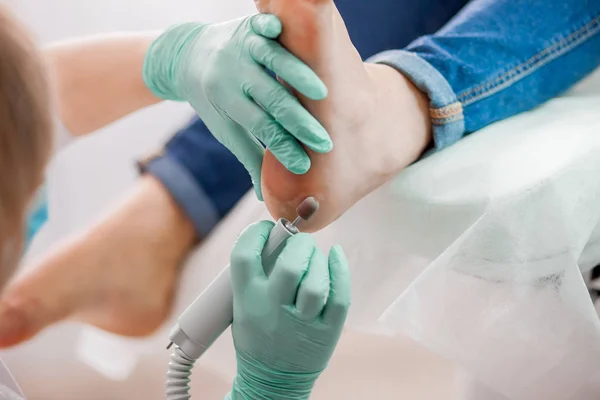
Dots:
pixel 212 312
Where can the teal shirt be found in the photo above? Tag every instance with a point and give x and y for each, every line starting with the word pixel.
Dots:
pixel 38 215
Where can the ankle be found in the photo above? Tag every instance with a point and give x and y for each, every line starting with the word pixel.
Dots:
pixel 147 227
pixel 399 119
pixel 155 218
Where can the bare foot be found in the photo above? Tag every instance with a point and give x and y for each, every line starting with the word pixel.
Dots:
pixel 118 276
pixel 377 119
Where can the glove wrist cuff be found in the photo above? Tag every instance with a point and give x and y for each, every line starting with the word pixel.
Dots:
pixel 267 388
pixel 255 380
pixel 162 64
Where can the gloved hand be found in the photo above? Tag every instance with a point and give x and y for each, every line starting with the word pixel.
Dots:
pixel 220 70
pixel 285 326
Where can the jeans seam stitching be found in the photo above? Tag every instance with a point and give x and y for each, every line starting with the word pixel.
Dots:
pixel 447 114
pixel 446 121
pixel 531 65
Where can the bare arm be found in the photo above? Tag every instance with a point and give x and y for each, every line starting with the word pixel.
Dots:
pixel 98 80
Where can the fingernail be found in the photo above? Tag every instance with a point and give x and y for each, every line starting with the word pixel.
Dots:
pixel 300 167
pixel 257 190
pixel 325 144
pixel 319 91
pixel 323 91
pixel 337 252
pixel 317 138
pixel 270 25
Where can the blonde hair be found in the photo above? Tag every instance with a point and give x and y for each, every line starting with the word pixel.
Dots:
pixel 25 133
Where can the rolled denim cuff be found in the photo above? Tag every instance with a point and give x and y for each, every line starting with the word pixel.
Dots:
pixel 182 186
pixel 446 112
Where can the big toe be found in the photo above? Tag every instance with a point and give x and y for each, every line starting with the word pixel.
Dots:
pixel 22 317
pixel 34 301
pixel 15 326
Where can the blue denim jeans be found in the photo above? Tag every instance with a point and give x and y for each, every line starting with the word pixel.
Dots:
pixel 494 59
pixel 497 58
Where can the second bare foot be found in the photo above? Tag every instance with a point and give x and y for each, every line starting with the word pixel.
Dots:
pixel 118 276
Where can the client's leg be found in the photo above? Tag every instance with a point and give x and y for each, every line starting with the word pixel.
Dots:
pixel 377 118
pixel 119 275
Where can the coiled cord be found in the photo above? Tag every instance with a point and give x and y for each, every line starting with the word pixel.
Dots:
pixel 178 376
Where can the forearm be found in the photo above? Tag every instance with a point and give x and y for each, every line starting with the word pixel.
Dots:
pixel 98 80
pixel 497 58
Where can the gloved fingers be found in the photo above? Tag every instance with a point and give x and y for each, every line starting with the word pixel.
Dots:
pixel 246 149
pixel 297 74
pixel 290 267
pixel 267 25
pixel 289 113
pixel 246 262
pixel 257 188
pixel 283 145
pixel 253 154
pixel 314 288
pixel 338 302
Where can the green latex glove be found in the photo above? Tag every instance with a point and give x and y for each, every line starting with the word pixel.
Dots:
pixel 285 326
pixel 220 70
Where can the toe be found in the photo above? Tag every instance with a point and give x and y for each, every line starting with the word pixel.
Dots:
pixel 22 317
